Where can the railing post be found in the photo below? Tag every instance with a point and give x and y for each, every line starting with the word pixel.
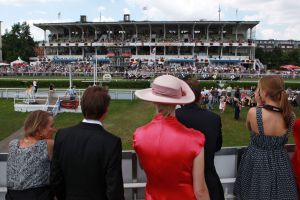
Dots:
pixel 134 174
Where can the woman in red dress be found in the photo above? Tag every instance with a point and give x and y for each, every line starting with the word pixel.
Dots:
pixel 171 155
pixel 296 157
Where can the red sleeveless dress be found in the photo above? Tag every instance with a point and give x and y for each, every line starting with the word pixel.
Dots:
pixel 296 157
pixel 166 150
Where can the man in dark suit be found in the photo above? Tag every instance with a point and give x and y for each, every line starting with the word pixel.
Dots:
pixel 209 123
pixel 86 162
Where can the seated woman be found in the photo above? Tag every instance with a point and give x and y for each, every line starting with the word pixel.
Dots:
pixel 171 154
pixel 28 163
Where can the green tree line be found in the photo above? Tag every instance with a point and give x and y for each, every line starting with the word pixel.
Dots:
pixel 276 58
pixel 18 43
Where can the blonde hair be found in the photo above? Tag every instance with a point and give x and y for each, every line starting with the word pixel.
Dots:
pixel 35 122
pixel 273 85
pixel 165 109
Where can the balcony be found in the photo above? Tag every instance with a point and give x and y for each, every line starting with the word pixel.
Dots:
pixel 226 161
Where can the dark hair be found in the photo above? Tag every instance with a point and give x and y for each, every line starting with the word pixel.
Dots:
pixel 94 103
pixel 35 122
pixel 274 87
pixel 196 88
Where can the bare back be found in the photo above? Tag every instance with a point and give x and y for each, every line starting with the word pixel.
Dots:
pixel 273 122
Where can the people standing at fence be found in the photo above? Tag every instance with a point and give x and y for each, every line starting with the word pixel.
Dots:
pixel 71 92
pixel 86 160
pixel 222 104
pixel 29 94
pixel 265 170
pixel 194 116
pixel 52 94
pixel 296 157
pixel 171 155
pixel 237 104
pixel 35 87
pixel 28 162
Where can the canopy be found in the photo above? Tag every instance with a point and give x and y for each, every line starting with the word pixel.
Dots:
pixel 101 60
pixel 67 60
pixel 290 67
pixel 4 64
pixel 19 63
pixel 179 60
pixel 225 61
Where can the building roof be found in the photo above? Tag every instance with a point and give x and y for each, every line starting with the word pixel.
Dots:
pixel 46 26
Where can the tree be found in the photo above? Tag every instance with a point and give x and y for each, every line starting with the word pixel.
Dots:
pixel 18 43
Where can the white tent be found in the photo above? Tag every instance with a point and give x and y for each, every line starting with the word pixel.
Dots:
pixel 3 64
pixel 18 62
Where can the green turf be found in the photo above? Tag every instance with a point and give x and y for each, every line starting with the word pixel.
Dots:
pixel 116 78
pixel 124 117
pixel 10 121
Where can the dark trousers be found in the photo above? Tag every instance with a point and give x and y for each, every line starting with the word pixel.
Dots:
pixel 236 112
pixel 39 193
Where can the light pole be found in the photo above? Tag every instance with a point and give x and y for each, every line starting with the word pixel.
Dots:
pixel 95 68
pixel 1 59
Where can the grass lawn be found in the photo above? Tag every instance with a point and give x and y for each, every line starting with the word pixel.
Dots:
pixel 124 117
pixel 10 121
pixel 115 78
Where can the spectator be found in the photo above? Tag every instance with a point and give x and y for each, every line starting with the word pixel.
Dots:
pixel 208 123
pixel 222 104
pixel 237 104
pixel 229 91
pixel 28 163
pixel 296 157
pixel 164 141
pixel 265 171
pixel 35 86
pixel 87 158
pixel 51 95
pixel 72 93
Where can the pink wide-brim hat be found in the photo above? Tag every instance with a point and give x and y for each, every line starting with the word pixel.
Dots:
pixel 167 89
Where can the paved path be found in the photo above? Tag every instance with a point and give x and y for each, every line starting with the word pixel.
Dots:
pixel 4 143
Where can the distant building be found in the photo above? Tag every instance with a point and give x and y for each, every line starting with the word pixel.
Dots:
pixel 285 45
pixel 196 41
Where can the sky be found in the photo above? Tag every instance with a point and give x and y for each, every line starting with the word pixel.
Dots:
pixel 279 19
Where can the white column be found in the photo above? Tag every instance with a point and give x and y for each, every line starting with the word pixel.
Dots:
pixel 45 37
pixel 221 52
pixel 164 31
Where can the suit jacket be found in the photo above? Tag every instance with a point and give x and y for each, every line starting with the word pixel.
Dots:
pixel 86 164
pixel 210 125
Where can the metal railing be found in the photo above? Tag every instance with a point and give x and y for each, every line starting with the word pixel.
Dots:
pixel 226 162
pixel 116 94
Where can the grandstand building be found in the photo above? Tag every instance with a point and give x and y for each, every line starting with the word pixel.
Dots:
pixel 173 41
pixel 284 45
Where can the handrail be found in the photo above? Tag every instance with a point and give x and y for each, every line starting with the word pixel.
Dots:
pixel 135 179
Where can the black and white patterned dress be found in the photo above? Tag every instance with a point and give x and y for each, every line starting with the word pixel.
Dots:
pixel 265 171
pixel 27 167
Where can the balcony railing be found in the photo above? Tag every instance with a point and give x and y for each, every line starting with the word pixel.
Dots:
pixel 226 162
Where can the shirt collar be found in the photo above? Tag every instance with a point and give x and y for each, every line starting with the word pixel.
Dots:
pixel 91 121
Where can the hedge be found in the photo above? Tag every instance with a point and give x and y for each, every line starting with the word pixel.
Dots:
pixel 125 84
pixel 138 84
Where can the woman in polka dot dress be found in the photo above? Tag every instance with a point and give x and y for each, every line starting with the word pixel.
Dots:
pixel 265 171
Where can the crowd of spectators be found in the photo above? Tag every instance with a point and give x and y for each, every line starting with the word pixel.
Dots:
pixel 142 70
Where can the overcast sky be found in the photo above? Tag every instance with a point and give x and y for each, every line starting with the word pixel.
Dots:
pixel 279 19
